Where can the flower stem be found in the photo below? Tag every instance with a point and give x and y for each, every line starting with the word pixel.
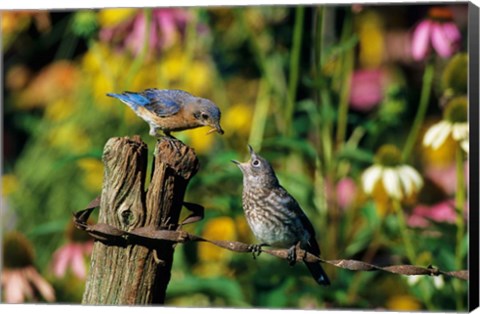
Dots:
pixel 407 241
pixel 459 206
pixel 294 69
pixel 422 109
pixel 346 75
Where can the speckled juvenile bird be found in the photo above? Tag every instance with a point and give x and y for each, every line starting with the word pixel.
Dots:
pixel 172 110
pixel 274 215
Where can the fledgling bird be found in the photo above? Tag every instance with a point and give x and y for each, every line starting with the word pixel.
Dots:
pixel 172 110
pixel 274 216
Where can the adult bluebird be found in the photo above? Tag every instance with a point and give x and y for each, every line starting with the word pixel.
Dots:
pixel 274 216
pixel 172 110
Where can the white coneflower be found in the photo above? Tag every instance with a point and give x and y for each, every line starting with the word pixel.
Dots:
pixel 454 123
pixel 399 180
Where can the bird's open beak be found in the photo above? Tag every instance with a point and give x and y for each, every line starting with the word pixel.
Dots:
pixel 239 164
pixel 251 151
pixel 216 128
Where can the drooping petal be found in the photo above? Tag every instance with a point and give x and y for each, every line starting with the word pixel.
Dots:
pixel 460 131
pixel 431 134
pixel 78 263
pixel 15 286
pixel 61 258
pixel 465 145
pixel 370 178
pixel 452 32
pixel 421 40
pixel 442 41
pixel 406 183
pixel 391 183
pixel 45 289
pixel 411 179
pixel 437 134
pixel 443 133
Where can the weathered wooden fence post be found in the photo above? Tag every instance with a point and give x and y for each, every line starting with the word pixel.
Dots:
pixel 124 273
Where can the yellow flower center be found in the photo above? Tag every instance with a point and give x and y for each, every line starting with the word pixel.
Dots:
pixel 388 156
pixel 457 110
pixel 17 251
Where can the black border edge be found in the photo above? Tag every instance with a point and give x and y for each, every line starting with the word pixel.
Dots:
pixel 473 94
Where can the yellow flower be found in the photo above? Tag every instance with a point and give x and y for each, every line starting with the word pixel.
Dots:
pixel 198 139
pixel 220 228
pixel 9 184
pixel 59 109
pixel 239 118
pixel 112 17
pixel 213 259
pixel 198 78
pixel 69 137
pixel 403 303
pixel 92 173
pixel 176 70
pixel 371 37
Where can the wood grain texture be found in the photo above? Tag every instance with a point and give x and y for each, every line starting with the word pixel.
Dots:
pixel 132 274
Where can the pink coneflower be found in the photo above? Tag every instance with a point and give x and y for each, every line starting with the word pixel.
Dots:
pixel 21 282
pixel 440 212
pixel 166 24
pixel 367 89
pixel 72 255
pixel 439 30
pixel 346 192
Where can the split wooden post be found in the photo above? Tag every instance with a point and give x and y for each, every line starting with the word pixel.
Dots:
pixel 124 273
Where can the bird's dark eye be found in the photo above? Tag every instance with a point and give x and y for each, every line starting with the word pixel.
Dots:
pixel 204 116
pixel 256 163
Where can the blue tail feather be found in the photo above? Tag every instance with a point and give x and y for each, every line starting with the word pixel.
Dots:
pixel 132 99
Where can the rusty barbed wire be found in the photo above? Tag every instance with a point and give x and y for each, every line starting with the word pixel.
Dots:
pixel 149 237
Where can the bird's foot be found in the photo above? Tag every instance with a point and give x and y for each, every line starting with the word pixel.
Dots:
pixel 292 254
pixel 173 142
pixel 256 249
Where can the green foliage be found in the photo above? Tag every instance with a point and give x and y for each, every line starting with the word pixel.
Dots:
pixel 283 79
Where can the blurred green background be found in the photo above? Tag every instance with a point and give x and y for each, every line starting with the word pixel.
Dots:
pixel 317 90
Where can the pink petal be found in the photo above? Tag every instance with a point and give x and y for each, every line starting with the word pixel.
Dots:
pixel 366 89
pixel 443 212
pixel 61 258
pixel 421 39
pixel 417 222
pixel 134 40
pixel 346 192
pixel 45 289
pixel 445 42
pixel 16 286
pixel 78 263
pixel 452 32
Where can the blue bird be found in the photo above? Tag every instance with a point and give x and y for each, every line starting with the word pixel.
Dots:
pixel 172 110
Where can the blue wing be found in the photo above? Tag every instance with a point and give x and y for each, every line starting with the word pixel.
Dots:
pixel 162 102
